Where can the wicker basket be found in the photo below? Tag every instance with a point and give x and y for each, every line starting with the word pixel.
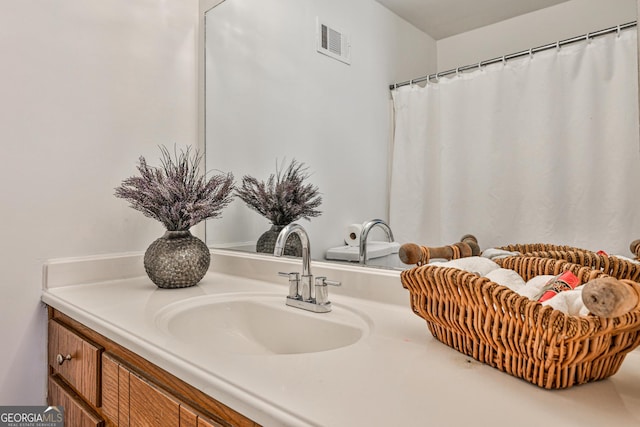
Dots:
pixel 503 329
pixel 611 265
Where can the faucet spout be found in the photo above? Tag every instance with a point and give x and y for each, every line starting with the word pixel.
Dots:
pixel 366 228
pixel 303 292
pixel 278 250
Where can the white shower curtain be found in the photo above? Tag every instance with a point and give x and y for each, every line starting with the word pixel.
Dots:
pixel 543 148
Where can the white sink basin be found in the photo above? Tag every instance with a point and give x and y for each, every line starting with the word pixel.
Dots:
pixel 259 324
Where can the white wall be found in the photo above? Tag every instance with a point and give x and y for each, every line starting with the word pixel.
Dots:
pixel 545 26
pixel 85 88
pixel 88 86
pixel 271 95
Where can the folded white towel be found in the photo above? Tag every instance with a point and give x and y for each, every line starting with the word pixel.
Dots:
pixel 569 302
pixel 494 253
pixel 506 277
pixel 474 264
pixel 534 286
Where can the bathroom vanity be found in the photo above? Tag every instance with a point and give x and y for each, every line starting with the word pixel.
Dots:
pixel 230 352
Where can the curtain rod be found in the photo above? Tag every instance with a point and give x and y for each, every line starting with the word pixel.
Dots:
pixel 504 58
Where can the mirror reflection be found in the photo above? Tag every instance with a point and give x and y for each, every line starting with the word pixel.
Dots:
pixel 271 95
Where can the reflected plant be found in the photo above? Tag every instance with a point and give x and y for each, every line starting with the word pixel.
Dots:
pixel 284 197
pixel 177 194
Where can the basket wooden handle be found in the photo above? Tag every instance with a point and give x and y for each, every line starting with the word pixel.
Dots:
pixel 471 240
pixel 635 248
pixel 411 253
pixel 609 297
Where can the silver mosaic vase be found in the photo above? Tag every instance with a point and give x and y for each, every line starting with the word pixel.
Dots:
pixel 177 260
pixel 267 242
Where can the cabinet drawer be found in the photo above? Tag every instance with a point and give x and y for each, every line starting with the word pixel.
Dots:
pixel 76 360
pixel 76 413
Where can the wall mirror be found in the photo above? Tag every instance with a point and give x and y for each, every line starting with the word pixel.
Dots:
pixel 269 97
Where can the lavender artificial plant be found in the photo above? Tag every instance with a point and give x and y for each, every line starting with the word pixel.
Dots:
pixel 176 194
pixel 284 198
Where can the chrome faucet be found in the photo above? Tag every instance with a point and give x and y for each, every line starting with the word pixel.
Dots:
pixel 366 227
pixel 303 292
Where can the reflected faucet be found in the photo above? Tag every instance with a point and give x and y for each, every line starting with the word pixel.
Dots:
pixel 366 227
pixel 303 293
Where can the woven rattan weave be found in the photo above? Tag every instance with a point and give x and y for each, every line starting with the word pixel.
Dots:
pixel 516 335
pixel 611 265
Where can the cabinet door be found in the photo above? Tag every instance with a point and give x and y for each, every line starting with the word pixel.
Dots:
pixel 204 422
pixel 115 392
pixel 189 418
pixel 76 414
pixel 110 389
pixel 76 360
pixel 131 400
pixel 150 406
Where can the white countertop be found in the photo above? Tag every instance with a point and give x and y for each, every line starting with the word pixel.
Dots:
pixel 396 375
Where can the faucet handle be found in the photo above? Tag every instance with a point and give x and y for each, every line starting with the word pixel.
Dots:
pixel 332 282
pixel 322 293
pixel 323 281
pixel 294 281
pixel 289 275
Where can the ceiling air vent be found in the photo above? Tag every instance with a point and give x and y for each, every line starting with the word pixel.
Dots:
pixel 333 43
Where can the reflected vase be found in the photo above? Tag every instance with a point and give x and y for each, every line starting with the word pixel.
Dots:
pixel 267 242
pixel 178 259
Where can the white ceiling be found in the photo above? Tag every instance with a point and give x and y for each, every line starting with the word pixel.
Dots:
pixel 444 18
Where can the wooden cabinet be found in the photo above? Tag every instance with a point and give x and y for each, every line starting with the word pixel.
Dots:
pixel 132 400
pixel 76 412
pixel 188 418
pixel 76 360
pixel 150 406
pixel 74 365
pixel 102 383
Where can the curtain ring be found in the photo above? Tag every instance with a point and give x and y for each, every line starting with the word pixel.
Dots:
pixel 558 45
pixel 618 31
pixel 457 71
pixel 480 65
pixel 504 61
pixel 531 53
pixel 587 37
pixel 411 83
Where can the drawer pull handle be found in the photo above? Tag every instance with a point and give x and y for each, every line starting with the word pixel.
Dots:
pixel 61 359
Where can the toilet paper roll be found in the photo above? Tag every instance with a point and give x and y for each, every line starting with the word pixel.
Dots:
pixel 352 236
